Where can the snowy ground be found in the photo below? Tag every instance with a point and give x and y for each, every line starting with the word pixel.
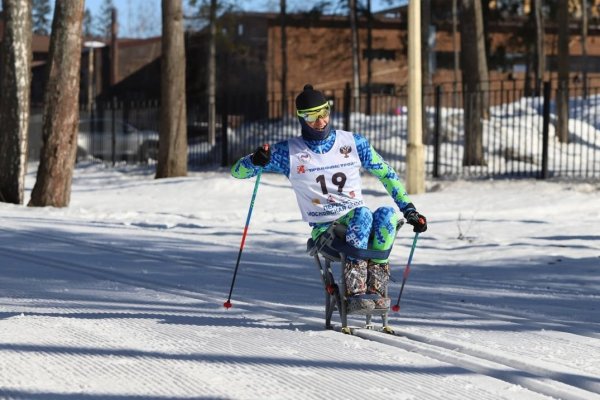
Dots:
pixel 120 295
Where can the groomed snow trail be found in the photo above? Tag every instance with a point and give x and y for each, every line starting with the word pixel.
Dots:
pixel 120 297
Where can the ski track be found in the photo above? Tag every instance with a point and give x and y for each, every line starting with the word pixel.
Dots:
pixel 458 350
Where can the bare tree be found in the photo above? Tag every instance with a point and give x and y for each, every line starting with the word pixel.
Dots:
pixel 15 82
pixel 61 108
pixel 88 23
pixel 475 80
pixel 455 51
pixel 284 58
pixel 142 21
pixel 355 58
pixel 425 41
pixel 114 48
pixel 173 148
pixel 103 21
pixel 426 53
pixel 540 53
pixel 562 96
pixel 369 85
pixel 584 49
pixel 212 74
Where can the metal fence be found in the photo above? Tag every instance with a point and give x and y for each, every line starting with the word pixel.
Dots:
pixel 518 136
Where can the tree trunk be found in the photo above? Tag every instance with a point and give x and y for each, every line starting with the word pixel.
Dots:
pixel 562 96
pixel 61 108
pixel 540 53
pixel 455 48
pixel 426 32
pixel 368 111
pixel 475 80
pixel 284 61
pixel 173 148
pixel 584 52
pixel 212 74
pixel 15 83
pixel 114 48
pixel 425 63
pixel 482 57
pixel 355 58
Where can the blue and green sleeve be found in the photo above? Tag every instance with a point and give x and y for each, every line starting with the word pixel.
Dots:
pixel 378 167
pixel 280 163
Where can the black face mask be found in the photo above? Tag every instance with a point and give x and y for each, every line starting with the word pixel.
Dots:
pixel 309 133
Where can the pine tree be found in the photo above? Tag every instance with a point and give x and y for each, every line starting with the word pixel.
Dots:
pixel 104 20
pixel 88 23
pixel 40 14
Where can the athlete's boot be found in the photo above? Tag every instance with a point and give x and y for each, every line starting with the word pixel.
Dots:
pixel 378 277
pixel 355 279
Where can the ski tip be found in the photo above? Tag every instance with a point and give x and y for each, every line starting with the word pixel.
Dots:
pixel 227 305
pixel 395 308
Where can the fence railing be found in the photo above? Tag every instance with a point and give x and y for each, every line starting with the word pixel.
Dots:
pixel 518 138
pixel 518 135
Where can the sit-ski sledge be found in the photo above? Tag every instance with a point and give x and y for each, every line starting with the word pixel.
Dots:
pixel 331 247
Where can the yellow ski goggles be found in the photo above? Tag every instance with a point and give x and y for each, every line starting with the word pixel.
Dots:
pixel 313 114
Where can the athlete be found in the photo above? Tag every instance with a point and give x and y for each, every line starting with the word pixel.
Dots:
pixel 323 166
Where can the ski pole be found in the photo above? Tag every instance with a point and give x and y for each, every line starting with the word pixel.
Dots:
pixel 396 307
pixel 227 304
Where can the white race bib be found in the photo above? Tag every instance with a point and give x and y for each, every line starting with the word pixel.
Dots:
pixel 327 186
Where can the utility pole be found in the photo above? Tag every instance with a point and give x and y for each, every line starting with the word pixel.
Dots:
pixel 415 160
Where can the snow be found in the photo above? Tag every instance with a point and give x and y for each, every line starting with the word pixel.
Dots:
pixel 120 295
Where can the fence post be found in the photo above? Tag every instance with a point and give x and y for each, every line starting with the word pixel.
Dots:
pixel 224 142
pixel 436 132
pixel 347 107
pixel 545 129
pixel 126 103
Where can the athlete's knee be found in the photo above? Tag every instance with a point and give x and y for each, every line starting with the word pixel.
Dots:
pixel 385 216
pixel 364 215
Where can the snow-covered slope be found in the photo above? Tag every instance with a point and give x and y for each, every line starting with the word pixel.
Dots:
pixel 120 295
